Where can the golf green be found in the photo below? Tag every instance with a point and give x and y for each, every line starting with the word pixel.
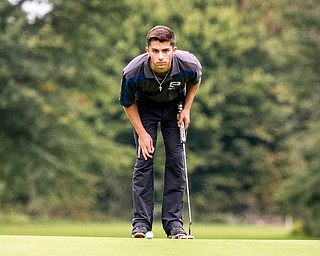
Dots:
pixel 95 246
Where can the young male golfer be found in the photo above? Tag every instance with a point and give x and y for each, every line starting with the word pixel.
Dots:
pixel 152 85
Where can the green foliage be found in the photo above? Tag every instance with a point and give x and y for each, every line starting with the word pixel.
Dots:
pixel 299 68
pixel 48 129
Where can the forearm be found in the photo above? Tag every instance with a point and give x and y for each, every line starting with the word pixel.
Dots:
pixel 134 117
pixel 184 116
pixel 145 142
pixel 191 93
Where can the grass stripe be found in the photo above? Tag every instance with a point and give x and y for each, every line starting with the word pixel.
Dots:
pixel 78 246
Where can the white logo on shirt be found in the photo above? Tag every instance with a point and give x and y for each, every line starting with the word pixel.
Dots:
pixel 174 85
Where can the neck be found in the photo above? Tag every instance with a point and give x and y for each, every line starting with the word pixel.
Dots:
pixel 162 74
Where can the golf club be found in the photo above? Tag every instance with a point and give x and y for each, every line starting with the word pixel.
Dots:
pixel 183 140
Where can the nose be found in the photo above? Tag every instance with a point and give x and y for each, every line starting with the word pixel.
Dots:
pixel 160 55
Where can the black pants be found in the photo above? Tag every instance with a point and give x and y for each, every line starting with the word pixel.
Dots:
pixel 174 177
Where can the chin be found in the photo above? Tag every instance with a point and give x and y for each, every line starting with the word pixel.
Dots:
pixel 162 69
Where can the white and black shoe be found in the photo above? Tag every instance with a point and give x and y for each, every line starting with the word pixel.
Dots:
pixel 139 232
pixel 177 232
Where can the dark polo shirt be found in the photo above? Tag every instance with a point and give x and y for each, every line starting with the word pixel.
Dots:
pixel 139 85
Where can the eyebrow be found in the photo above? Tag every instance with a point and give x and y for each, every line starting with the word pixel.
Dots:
pixel 168 48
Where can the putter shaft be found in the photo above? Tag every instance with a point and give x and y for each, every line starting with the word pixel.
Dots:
pixel 183 140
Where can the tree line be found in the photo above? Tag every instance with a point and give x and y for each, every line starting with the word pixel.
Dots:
pixel 66 145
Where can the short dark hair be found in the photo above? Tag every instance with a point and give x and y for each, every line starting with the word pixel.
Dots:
pixel 162 34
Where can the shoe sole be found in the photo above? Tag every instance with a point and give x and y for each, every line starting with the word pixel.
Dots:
pixel 139 235
pixel 178 236
pixel 187 237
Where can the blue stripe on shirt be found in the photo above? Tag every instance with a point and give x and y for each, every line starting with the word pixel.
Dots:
pixel 125 101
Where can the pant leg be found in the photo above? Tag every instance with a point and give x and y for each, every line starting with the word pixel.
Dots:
pixel 174 178
pixel 143 176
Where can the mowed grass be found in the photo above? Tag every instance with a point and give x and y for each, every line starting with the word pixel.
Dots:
pixel 94 239
pixel 96 246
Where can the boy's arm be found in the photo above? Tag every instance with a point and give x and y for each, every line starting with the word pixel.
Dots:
pixel 185 114
pixel 144 139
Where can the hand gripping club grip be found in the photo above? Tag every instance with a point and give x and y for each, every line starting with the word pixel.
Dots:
pixel 183 138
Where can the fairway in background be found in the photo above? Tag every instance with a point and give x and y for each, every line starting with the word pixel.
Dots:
pixel 123 230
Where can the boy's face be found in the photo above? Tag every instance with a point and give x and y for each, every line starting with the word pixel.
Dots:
pixel 161 54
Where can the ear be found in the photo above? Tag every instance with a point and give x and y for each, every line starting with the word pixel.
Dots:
pixel 147 49
pixel 174 49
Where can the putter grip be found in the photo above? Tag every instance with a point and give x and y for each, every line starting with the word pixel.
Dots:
pixel 183 138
